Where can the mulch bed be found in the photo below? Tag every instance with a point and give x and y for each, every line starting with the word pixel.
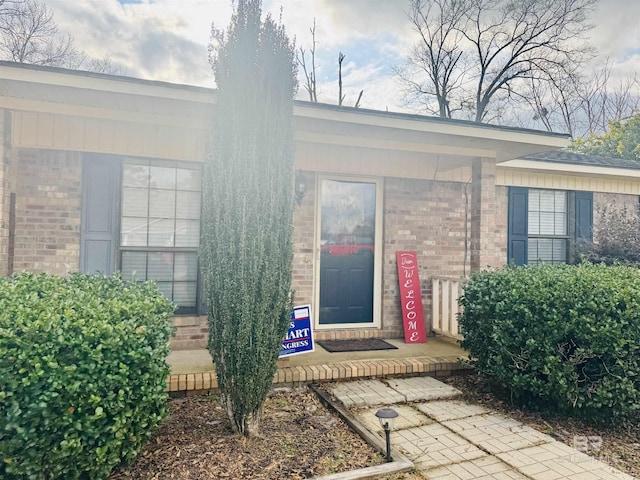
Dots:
pixel 299 439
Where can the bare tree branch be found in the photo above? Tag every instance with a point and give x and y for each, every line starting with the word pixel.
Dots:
pixel 436 59
pixel 478 54
pixel 29 34
pixel 341 57
pixel 309 71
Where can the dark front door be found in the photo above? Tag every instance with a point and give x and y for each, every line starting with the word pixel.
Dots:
pixel 347 229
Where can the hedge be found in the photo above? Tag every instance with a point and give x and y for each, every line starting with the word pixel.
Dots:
pixel 82 373
pixel 566 337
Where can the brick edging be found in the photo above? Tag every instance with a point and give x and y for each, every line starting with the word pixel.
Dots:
pixel 205 382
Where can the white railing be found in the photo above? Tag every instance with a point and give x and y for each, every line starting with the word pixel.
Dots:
pixel 444 306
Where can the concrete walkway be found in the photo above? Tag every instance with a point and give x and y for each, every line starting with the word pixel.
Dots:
pixel 448 439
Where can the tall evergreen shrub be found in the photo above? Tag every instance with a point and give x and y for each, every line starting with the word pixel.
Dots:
pixel 246 248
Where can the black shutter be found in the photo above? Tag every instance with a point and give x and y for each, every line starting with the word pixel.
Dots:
pixel 518 230
pixel 100 194
pixel 584 217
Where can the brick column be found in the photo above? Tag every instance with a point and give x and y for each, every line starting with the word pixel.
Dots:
pixel 484 235
pixel 4 191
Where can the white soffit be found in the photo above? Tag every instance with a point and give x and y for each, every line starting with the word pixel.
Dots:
pixel 567 168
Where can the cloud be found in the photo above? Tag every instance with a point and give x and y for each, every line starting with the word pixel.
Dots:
pixel 167 39
pixel 159 40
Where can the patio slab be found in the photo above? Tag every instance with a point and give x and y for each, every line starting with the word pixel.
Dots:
pixel 408 417
pixel 450 410
pixel 555 461
pixel 422 388
pixel 485 468
pixel 365 392
pixel 496 433
pixel 433 446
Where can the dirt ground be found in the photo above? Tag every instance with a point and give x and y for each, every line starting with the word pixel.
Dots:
pixel 299 439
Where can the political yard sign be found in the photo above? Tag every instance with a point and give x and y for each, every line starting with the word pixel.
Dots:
pixel 299 337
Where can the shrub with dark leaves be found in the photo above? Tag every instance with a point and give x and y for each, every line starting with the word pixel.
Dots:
pixel 82 373
pixel 565 337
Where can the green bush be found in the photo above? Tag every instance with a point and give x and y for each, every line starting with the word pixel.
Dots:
pixel 566 337
pixel 82 373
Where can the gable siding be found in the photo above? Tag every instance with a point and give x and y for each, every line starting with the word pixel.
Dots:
pixel 553 181
pixel 119 137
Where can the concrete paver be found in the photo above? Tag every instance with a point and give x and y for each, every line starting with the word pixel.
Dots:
pixel 450 410
pixel 422 388
pixel 365 392
pixel 484 468
pixel 433 445
pixel 453 440
pixel 497 433
pixel 407 417
pixel 556 460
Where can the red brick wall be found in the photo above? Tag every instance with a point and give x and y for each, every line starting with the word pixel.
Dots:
pixel 191 333
pixel 4 191
pixel 433 219
pixel 48 207
pixel 303 243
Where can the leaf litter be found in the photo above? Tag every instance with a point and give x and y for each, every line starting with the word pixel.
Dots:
pixel 299 438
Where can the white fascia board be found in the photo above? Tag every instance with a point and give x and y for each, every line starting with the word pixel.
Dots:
pixel 382 119
pixel 571 168
pixel 107 83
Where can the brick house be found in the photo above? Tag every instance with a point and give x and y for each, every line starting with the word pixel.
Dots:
pixel 102 173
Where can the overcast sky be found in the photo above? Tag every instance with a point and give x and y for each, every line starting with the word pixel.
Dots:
pixel 166 39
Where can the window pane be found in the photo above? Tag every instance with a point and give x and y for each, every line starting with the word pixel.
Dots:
pixel 189 179
pixel 160 266
pixel 161 232
pixel 185 266
pixel 547 223
pixel 561 224
pixel 135 202
pixel 135 176
pixel 133 232
pixel 561 201
pixel 534 200
pixel 134 265
pixel 547 201
pixel 559 250
pixel 188 205
pixel 547 250
pixel 187 233
pixel 534 223
pixel 166 288
pixel 162 177
pixel 184 294
pixel 162 204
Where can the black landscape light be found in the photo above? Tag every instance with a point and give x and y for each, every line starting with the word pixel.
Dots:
pixel 386 417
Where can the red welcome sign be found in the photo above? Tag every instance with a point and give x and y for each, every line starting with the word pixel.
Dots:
pixel 410 298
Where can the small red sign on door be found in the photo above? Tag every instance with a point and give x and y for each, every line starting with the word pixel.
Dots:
pixel 410 298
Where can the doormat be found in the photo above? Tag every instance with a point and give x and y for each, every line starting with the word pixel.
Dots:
pixel 360 345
